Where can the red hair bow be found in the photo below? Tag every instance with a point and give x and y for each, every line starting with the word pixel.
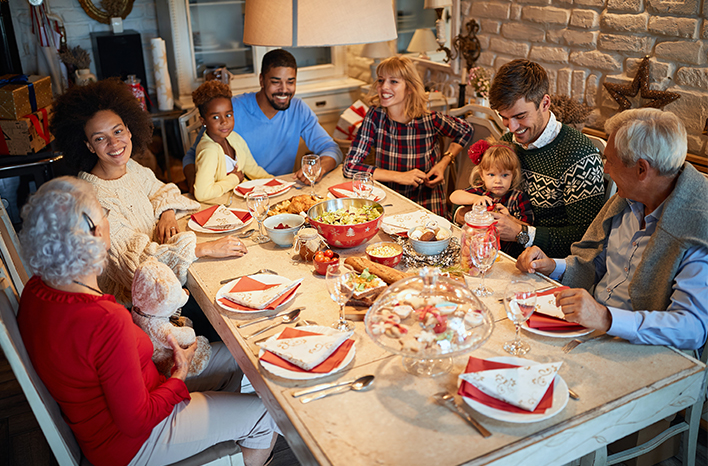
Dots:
pixel 477 150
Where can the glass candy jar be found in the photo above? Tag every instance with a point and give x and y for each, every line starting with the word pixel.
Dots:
pixel 307 243
pixel 479 223
pixel 428 319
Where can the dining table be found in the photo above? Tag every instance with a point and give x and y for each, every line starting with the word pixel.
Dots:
pixel 622 387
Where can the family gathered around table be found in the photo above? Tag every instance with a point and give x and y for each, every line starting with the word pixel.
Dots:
pixel 110 248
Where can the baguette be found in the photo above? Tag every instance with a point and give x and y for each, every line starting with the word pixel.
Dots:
pixel 384 272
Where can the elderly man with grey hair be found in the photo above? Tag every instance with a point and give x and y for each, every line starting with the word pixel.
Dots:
pixel 646 252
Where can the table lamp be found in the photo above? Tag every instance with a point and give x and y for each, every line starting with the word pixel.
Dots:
pixel 317 23
pixel 377 51
pixel 423 41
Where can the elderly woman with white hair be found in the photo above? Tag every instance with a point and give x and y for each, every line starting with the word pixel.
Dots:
pixel 97 363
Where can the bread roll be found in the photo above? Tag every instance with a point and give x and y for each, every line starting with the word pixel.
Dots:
pixel 384 272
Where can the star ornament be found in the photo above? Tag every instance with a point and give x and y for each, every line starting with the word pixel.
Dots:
pixel 640 84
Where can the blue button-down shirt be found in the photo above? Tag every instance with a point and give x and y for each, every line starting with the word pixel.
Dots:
pixel 684 324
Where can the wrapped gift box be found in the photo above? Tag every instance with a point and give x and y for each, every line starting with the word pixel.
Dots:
pixel 21 95
pixel 26 135
pixel 350 121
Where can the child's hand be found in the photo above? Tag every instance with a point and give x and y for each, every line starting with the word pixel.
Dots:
pixel 484 200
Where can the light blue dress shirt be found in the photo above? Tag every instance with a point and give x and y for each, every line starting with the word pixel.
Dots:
pixel 684 324
pixel 274 142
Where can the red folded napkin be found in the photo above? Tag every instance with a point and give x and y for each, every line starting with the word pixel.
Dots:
pixel 335 189
pixel 546 323
pixel 328 365
pixel 244 191
pixel 202 217
pixel 249 284
pixel 469 390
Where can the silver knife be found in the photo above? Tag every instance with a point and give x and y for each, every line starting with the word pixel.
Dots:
pixel 263 319
pixel 321 387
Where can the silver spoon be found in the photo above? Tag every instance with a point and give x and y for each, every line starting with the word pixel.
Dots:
pixel 288 318
pixel 325 386
pixel 245 234
pixel 361 384
pixel 271 272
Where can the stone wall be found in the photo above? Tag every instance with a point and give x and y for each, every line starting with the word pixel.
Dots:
pixel 584 43
pixel 78 27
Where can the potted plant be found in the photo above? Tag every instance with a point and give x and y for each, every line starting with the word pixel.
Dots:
pixel 77 61
pixel 478 83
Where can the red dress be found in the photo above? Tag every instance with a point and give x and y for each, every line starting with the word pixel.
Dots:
pixel 97 364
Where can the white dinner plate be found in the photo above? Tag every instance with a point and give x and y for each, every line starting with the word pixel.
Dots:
pixel 401 223
pixel 560 398
pixel 547 305
pixel 378 194
pixel 272 191
pixel 288 374
pixel 268 279
pixel 194 226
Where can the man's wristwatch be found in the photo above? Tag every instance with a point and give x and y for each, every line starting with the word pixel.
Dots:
pixel 523 237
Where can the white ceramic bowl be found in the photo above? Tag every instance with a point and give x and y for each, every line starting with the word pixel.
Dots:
pixel 283 237
pixel 429 248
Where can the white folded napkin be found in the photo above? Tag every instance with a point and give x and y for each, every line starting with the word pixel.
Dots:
pixel 520 386
pixel 309 351
pixel 260 299
pixel 277 188
pixel 222 219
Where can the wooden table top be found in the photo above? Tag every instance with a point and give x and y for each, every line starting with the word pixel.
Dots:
pixel 622 387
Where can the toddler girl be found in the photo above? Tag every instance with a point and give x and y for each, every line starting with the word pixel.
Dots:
pixel 223 158
pixel 495 182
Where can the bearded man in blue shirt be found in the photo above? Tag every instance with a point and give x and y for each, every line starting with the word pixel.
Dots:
pixel 646 252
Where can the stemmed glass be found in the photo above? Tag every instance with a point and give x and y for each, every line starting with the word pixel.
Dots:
pixel 258 204
pixel 483 253
pixel 519 302
pixel 340 293
pixel 363 184
pixel 311 168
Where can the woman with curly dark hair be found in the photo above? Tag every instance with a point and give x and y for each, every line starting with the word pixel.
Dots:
pixel 223 158
pixel 96 127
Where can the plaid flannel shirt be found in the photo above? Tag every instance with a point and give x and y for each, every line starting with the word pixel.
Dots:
pixel 404 147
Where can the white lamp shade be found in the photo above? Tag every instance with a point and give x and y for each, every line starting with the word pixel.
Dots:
pixel 376 50
pixel 436 3
pixel 317 23
pixel 423 41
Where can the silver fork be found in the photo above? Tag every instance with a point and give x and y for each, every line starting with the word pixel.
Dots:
pixel 448 401
pixel 572 344
pixel 231 199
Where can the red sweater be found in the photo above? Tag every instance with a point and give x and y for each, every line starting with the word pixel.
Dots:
pixel 97 364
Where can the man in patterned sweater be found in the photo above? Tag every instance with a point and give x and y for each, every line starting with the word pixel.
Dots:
pixel 561 168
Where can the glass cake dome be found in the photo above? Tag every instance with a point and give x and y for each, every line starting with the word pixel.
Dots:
pixel 428 319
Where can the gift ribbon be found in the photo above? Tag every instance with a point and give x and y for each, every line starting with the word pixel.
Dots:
pixel 350 131
pixel 22 79
pixel 491 232
pixel 43 132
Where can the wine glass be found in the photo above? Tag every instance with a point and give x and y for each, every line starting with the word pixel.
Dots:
pixel 311 168
pixel 519 302
pixel 363 184
pixel 483 253
pixel 258 204
pixel 340 293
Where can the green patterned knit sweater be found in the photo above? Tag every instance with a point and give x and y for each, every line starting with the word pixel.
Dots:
pixel 564 182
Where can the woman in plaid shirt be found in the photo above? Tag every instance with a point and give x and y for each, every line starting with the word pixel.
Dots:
pixel 405 137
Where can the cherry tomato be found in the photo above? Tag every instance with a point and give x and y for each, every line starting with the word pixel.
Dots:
pixel 329 253
pixel 320 257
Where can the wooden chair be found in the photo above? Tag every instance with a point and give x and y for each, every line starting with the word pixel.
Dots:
pixel 10 253
pixel 58 434
pixel 610 186
pixel 189 125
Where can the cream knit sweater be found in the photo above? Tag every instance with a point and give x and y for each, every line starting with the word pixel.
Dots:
pixel 136 200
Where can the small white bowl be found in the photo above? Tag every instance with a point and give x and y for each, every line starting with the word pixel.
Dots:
pixel 283 237
pixel 429 248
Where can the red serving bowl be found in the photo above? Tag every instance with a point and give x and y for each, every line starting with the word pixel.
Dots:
pixel 321 266
pixel 345 236
pixel 390 261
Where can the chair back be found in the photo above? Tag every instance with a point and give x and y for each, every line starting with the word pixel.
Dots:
pixel 58 434
pixel 189 125
pixel 610 186
pixel 12 260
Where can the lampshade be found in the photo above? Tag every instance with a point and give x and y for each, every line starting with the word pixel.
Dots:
pixel 437 3
pixel 423 41
pixel 314 23
pixel 376 50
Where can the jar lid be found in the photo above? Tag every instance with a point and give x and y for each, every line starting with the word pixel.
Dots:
pixel 479 216
pixel 307 233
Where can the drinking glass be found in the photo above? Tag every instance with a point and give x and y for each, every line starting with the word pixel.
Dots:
pixel 340 293
pixel 311 168
pixel 483 253
pixel 363 185
pixel 258 204
pixel 519 302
